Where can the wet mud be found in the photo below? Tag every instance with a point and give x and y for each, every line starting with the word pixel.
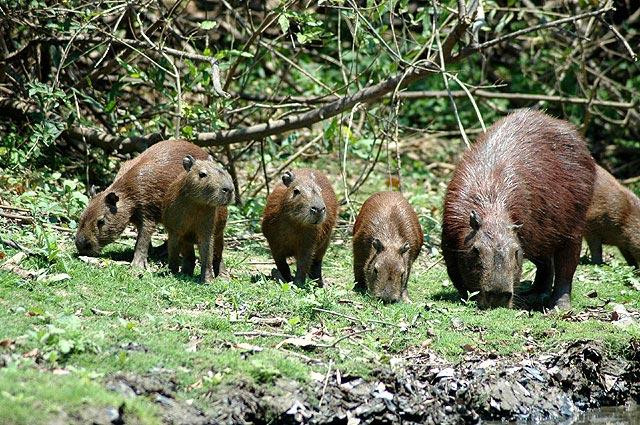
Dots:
pixel 417 388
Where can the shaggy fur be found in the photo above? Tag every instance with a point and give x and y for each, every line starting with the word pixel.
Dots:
pixel 613 219
pixel 522 190
pixel 298 219
pixel 387 239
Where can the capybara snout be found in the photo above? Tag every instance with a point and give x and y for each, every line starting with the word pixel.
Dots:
pixel 386 273
pixel 305 200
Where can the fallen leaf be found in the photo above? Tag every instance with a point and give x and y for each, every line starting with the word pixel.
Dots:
pixel 621 317
pixel 98 312
pixel 592 294
pixel 59 277
pixel 304 342
pixel 6 342
pixel 446 373
pixel 31 354
pixel 468 348
pixel 248 347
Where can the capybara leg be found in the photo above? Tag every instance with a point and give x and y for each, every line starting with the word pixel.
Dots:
pixel 565 260
pixel 218 245
pixel 405 296
pixel 205 248
pixel 632 260
pixel 283 268
pixel 141 251
pixel 174 253
pixel 544 275
pixel 188 258
pixel 303 265
pixel 595 249
pixel 315 272
pixel 218 267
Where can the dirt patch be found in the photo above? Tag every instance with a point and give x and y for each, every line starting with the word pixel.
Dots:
pixel 418 388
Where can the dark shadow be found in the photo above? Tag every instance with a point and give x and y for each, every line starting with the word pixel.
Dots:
pixel 449 296
pixel 522 300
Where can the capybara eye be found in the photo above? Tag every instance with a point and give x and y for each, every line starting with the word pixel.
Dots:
pixel 202 174
pixel 100 222
pixel 296 192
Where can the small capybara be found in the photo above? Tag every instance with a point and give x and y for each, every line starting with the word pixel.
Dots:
pixel 136 196
pixel 195 213
pixel 298 220
pixel 387 239
pixel 522 191
pixel 613 219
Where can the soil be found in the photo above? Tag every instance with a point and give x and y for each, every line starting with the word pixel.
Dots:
pixel 417 388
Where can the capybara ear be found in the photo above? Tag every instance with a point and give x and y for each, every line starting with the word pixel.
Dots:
pixel 187 162
pixel 378 245
pixel 287 178
pixel 474 220
pixel 93 190
pixel 111 199
pixel 404 248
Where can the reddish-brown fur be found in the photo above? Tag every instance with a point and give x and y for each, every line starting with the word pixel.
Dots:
pixel 521 191
pixel 298 220
pixel 138 191
pixel 613 219
pixel 387 239
pixel 195 212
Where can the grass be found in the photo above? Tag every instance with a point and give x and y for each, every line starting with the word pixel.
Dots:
pixel 113 318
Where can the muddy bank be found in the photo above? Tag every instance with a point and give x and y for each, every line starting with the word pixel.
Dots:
pixel 418 388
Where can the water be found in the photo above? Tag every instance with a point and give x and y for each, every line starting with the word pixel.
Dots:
pixel 621 415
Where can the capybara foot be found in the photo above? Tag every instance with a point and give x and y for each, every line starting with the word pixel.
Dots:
pixel 562 302
pixel 140 263
pixel 276 275
pixel 405 298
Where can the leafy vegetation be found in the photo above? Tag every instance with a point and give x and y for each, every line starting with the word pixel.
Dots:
pixel 84 88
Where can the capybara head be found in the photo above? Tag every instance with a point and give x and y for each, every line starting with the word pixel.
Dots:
pixel 386 270
pixel 491 263
pixel 303 200
pixel 102 222
pixel 207 182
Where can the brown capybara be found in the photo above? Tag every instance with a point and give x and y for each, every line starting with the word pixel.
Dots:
pixel 522 191
pixel 298 220
pixel 613 219
pixel 387 239
pixel 136 196
pixel 195 212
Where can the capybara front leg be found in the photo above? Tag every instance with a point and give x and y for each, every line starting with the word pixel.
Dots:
pixel 565 261
pixel 218 243
pixel 141 251
pixel 595 249
pixel 632 260
pixel 315 272
pixel 283 267
pixel 174 253
pixel 205 247
pixel 303 265
pixel 188 258
pixel 544 275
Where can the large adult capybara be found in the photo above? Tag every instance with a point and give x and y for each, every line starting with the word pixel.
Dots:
pixel 522 190
pixel 298 220
pixel 387 239
pixel 195 213
pixel 136 196
pixel 613 219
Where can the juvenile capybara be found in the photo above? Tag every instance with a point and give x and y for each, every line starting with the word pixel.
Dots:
pixel 387 239
pixel 135 196
pixel 298 220
pixel 521 191
pixel 613 219
pixel 195 212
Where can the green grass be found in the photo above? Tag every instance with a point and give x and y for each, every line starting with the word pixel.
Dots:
pixel 113 318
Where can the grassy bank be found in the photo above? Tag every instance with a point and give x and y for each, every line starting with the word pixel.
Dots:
pixel 72 323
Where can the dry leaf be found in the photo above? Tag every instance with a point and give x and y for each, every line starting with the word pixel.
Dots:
pixel 304 342
pixel 248 347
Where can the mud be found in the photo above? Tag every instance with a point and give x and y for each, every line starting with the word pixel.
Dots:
pixel 417 388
